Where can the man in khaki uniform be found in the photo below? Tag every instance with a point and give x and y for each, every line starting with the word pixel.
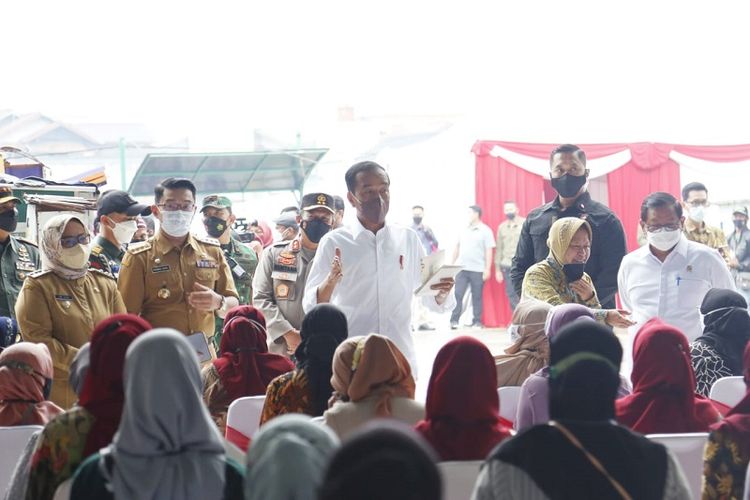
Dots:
pixel 695 202
pixel 175 279
pixel 282 273
pixel 508 234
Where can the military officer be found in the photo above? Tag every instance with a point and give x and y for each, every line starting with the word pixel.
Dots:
pixel 282 273
pixel 175 279
pixel 218 220
pixel 116 213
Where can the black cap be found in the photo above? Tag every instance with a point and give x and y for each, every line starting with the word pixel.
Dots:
pixel 312 201
pixel 120 201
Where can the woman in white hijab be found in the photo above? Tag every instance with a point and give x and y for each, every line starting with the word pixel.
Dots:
pixel 167 446
pixel 60 304
pixel 287 459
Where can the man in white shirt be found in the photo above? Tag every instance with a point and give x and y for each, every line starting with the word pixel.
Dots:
pixel 668 277
pixel 371 269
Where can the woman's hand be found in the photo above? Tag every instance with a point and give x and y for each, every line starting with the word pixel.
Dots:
pixel 616 318
pixel 583 290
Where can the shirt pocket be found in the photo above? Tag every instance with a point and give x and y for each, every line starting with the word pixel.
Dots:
pixel 207 277
pixel 690 292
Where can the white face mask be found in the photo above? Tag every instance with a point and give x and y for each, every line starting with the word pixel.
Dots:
pixel 698 213
pixel 177 223
pixel 76 257
pixel 124 231
pixel 664 240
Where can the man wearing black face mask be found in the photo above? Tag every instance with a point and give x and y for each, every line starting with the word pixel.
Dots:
pixel 218 221
pixel 282 273
pixel 426 236
pixel 18 258
pixel 569 177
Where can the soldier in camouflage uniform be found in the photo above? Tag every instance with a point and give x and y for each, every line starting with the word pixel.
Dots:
pixel 218 220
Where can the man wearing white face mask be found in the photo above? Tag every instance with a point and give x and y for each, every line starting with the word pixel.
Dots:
pixel 668 277
pixel 695 202
pixel 116 212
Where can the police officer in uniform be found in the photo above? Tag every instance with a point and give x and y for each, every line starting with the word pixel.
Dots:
pixel 219 220
pixel 18 258
pixel 116 213
pixel 175 279
pixel 280 279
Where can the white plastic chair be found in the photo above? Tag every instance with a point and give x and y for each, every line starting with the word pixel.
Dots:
pixel 509 402
pixel 63 491
pixel 459 478
pixel 13 441
pixel 234 452
pixel 728 390
pixel 688 449
pixel 244 414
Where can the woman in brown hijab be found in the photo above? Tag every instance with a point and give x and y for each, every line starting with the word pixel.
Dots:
pixel 371 379
pixel 530 352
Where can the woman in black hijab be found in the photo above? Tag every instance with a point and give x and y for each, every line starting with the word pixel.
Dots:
pixel 726 331
pixel 582 452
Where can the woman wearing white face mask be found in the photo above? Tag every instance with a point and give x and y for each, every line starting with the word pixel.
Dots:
pixel 60 304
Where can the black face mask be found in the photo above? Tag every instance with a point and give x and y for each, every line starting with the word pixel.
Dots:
pixel 215 226
pixel 9 220
pixel 573 272
pixel 568 185
pixel 315 229
pixel 739 224
pixel 417 220
pixel 510 216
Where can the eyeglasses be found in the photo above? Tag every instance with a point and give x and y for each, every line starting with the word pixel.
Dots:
pixel 173 206
pixel 71 241
pixel 698 203
pixel 658 229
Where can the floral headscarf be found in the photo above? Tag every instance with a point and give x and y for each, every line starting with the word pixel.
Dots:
pixel 51 246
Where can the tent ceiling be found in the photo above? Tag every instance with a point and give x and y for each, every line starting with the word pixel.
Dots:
pixel 284 170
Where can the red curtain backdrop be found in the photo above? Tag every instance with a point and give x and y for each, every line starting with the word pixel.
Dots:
pixel 650 169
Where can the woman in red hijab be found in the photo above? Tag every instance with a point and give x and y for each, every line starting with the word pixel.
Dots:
pixel 244 366
pixel 86 428
pixel 25 381
pixel 462 420
pixel 664 398
pixel 727 454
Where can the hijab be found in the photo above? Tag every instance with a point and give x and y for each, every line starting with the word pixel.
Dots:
pixel 323 329
pixel 726 326
pixel 530 352
pixel 737 421
pixel 103 394
pixel 386 459
pixel 461 416
pixel 79 367
pixel 25 380
pixel 244 365
pixel 287 459
pixel 167 445
pixel 663 398
pixel 561 234
pixel 51 248
pixel 371 366
pixel 266 236
pixel 563 314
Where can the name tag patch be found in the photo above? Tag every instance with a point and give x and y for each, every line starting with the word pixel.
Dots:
pixel 63 297
pixel 207 264
pixel 25 266
pixel 160 269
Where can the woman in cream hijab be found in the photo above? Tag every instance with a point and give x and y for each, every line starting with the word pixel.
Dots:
pixel 530 352
pixel 561 277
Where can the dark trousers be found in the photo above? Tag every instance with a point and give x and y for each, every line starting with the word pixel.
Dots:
pixel 464 279
pixel 510 290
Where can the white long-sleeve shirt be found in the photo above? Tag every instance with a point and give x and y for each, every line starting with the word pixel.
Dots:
pixel 672 290
pixel 380 271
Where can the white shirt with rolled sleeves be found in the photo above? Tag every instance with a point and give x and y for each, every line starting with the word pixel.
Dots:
pixel 380 271
pixel 672 290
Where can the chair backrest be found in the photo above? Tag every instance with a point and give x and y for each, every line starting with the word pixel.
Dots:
pixel 63 491
pixel 688 449
pixel 244 414
pixel 235 453
pixel 459 478
pixel 12 443
pixel 509 402
pixel 728 390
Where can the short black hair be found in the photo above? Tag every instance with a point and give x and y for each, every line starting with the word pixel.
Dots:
pixel 173 183
pixel 338 203
pixel 354 170
pixel 568 149
pixel 418 207
pixel 659 200
pixel 693 186
pixel 477 209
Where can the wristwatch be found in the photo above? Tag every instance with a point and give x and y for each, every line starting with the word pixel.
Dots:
pixel 223 305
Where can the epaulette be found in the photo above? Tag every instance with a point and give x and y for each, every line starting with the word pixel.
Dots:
pixel 105 273
pixel 38 273
pixel 208 241
pixel 280 244
pixel 139 247
pixel 96 250
pixel 27 242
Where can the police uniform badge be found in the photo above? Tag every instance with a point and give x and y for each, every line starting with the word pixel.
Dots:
pixel 282 291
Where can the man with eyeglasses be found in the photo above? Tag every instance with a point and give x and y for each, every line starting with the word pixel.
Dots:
pixel 175 279
pixel 569 177
pixel 695 202
pixel 668 277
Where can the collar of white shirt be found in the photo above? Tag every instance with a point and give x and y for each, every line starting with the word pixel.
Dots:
pixel 357 228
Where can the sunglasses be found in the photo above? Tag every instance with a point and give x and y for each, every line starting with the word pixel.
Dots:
pixel 71 241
